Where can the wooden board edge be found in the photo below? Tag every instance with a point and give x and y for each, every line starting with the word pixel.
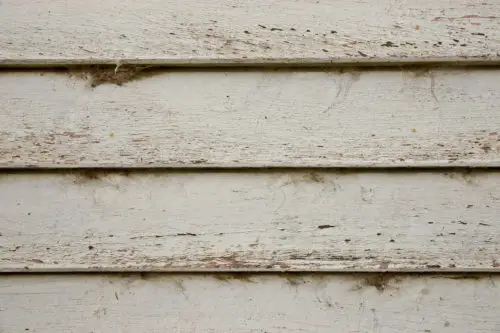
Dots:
pixel 83 269
pixel 253 62
pixel 441 164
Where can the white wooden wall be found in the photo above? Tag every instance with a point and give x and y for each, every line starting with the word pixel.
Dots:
pixel 249 166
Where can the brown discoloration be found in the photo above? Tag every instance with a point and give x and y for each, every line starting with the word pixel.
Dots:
pixel 479 144
pixel 314 177
pixel 226 261
pixel 467 176
pixel 86 176
pixel 306 178
pixel 355 75
pixel 89 175
pixel 228 277
pixel 179 284
pixel 117 75
pixel 380 281
pixel 323 255
pixel 419 72
pixel 293 280
pixel 463 277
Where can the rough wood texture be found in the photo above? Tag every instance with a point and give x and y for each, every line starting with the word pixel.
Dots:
pixel 250 118
pixel 242 303
pixel 213 32
pixel 241 221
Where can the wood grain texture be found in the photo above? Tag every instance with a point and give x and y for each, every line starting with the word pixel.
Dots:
pixel 242 303
pixel 208 32
pixel 250 221
pixel 277 118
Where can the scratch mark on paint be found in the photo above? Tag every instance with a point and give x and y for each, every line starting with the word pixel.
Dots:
pixel 433 85
pixel 344 86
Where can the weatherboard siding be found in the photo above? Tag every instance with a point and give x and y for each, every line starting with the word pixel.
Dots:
pixel 249 303
pixel 250 118
pixel 281 220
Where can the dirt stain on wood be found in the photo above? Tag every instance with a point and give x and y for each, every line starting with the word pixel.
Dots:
pixel 81 177
pixel 379 281
pixel 464 277
pixel 294 280
pixel 297 179
pixel 314 177
pixel 86 176
pixel 229 277
pixel 467 176
pixel 118 75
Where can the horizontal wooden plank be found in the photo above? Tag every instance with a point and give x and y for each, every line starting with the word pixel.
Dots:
pixel 214 32
pixel 250 221
pixel 242 303
pixel 277 118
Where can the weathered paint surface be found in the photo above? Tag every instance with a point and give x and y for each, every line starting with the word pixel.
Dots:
pixel 250 118
pixel 248 221
pixel 242 303
pixel 225 31
pixel 284 220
